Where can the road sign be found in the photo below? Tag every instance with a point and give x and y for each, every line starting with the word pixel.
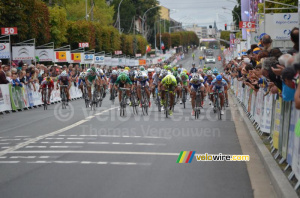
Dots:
pixel 9 30
pixel 118 52
pixel 237 41
pixel 247 24
pixel 83 45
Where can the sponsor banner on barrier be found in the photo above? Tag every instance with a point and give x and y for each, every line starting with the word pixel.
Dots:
pixel 45 55
pixel 286 113
pixel 258 108
pixel 62 56
pixel 4 51
pixel 23 52
pixel 296 150
pixel 267 113
pixel 250 101
pixel 253 99
pixel 16 97
pixel 5 104
pixel 291 132
pixel 99 60
pixel 107 61
pixel 277 123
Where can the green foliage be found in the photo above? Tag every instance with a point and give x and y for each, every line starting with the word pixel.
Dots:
pixel 225 35
pixel 176 39
pixel 237 10
pixel 59 25
pixel 31 17
pixel 184 38
pixel 273 5
pixel 165 38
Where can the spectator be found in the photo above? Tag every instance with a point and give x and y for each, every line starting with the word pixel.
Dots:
pixel 23 78
pixel 15 81
pixel 3 79
pixel 267 72
pixel 267 42
pixel 8 76
pixel 288 84
pixel 275 52
pixel 295 40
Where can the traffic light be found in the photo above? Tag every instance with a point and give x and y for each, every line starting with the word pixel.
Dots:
pixel 225 26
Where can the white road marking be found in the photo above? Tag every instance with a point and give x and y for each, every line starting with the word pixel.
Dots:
pixel 75 138
pixel 4 157
pixel 98 152
pixel 90 117
pixel 98 142
pixel 54 138
pixel 35 146
pixel 39 162
pixel 4 143
pixel 21 136
pixel 9 140
pixel 65 162
pixel 65 146
pixel 75 143
pixel 5 147
pixel 9 162
pixel 22 157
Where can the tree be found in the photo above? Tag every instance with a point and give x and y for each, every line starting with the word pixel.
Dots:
pixel 59 25
pixel 225 35
pixel 273 5
pixel 237 10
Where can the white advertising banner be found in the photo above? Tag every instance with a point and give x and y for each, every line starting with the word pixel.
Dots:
pixel 89 58
pixel 131 62
pixel 121 61
pixel 5 104
pixel 23 52
pixel 99 60
pixel 45 54
pixel 279 26
pixel 107 61
pixel 114 62
pixel 4 51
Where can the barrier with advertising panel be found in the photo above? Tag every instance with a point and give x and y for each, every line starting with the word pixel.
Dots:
pixel 15 98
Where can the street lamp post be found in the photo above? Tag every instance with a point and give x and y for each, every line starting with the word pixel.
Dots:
pixel 119 16
pixel 143 18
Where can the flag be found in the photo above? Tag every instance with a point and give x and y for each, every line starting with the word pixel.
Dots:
pixel 162 45
pixel 76 57
pixel 61 56
pixel 148 48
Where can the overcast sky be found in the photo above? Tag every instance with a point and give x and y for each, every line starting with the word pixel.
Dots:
pixel 201 12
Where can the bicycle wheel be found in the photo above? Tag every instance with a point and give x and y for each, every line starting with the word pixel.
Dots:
pixel 63 100
pixel 219 109
pixel 183 97
pixel 158 102
pixel 45 99
pixel 166 104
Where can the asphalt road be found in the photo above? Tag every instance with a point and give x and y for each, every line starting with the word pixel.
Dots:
pixel 82 153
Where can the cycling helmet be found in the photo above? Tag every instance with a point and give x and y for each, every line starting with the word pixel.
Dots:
pixel 82 74
pixel 63 74
pixel 139 74
pixel 209 73
pixel 118 72
pixel 48 79
pixel 175 73
pixel 219 77
pixel 157 70
pixel 179 70
pixel 164 72
pixel 215 71
pixel 93 69
pixel 123 77
pixel 142 68
pixel 195 76
pixel 182 74
pixel 204 66
pixel 114 72
pixel 168 80
pixel 131 74
pixel 166 66
pixel 127 68
pixel 126 72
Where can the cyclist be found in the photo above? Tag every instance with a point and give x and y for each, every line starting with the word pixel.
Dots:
pixel 178 87
pixel 102 79
pixel 64 79
pixel 81 82
pixel 123 81
pixel 196 81
pixel 194 69
pixel 155 79
pixel 168 83
pixel 193 55
pixel 47 82
pixel 184 83
pixel 207 82
pixel 219 84
pixel 90 78
pixel 112 79
pixel 215 71
pixel 142 80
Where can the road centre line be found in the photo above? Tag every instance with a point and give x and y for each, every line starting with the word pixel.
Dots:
pixel 21 145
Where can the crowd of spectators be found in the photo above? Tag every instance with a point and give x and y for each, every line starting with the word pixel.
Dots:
pixel 268 68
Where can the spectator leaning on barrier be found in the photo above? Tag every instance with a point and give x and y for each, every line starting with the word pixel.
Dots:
pixel 288 84
pixel 15 81
pixel 267 71
pixel 295 40
pixel 3 79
